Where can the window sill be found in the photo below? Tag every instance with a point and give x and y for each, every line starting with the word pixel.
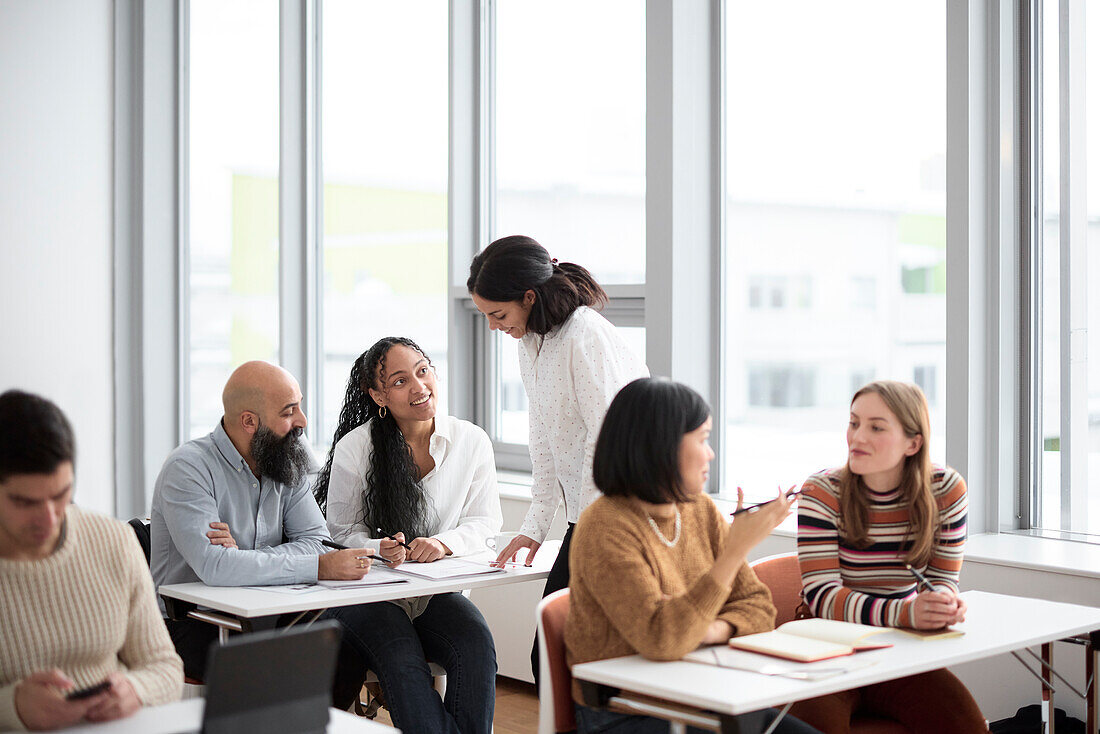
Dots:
pixel 1066 557
pixel 995 549
pixel 513 485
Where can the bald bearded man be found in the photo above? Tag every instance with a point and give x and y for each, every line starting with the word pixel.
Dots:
pixel 234 508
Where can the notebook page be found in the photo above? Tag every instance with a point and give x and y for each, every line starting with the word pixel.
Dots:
pixel 447 568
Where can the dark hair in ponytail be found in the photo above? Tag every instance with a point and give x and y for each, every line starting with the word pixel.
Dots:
pixel 394 500
pixel 511 266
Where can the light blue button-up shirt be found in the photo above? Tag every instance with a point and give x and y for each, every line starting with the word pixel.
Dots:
pixel 207 480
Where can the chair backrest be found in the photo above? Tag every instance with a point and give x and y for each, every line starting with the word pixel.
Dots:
pixel 780 573
pixel 556 713
pixel 141 530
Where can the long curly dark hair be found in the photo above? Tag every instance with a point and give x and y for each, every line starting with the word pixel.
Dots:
pixel 394 500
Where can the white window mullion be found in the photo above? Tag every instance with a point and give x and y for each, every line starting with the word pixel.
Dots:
pixel 298 199
pixel 465 194
pixel 1073 224
pixel 682 205
pixel 971 298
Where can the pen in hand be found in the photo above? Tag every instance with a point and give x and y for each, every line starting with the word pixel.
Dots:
pixel 922 582
pixel 406 545
pixel 336 546
pixel 790 494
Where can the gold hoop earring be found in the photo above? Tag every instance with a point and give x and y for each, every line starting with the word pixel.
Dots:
pixel 382 412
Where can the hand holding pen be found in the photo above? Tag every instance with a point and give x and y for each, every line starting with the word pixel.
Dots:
pixel 392 547
pixel 935 608
pixel 343 564
pixel 790 494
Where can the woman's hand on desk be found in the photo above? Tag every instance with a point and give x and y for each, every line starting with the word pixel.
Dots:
pixel 392 551
pixel 351 564
pixel 41 704
pixel 426 550
pixel 937 609
pixel 508 555
pixel 120 700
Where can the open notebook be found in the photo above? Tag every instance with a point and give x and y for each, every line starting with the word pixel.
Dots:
pixel 812 639
pixel 379 575
pixel 447 568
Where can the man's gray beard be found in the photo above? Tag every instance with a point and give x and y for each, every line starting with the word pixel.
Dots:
pixel 284 459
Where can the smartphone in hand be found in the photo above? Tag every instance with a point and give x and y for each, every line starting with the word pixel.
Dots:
pixel 88 692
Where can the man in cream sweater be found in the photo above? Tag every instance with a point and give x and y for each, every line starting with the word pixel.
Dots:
pixel 76 599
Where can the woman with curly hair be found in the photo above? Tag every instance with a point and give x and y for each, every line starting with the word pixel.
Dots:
pixel 396 468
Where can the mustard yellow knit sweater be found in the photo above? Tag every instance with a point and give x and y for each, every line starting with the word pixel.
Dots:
pixel 630 593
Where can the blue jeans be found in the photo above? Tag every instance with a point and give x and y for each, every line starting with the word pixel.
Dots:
pixel 450 632
pixel 597 721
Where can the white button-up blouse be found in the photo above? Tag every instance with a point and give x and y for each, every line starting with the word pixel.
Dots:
pixel 461 489
pixel 571 375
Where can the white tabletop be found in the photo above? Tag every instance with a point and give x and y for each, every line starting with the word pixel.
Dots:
pixel 186 716
pixel 995 624
pixel 255 602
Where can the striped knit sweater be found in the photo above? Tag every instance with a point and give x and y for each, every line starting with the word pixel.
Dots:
pixel 871 585
pixel 87 609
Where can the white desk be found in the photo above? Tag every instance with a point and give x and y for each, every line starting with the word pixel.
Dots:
pixel 186 716
pixel 249 603
pixel 995 624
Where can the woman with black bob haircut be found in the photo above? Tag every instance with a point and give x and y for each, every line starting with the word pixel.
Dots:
pixel 655 568
pixel 572 361
pixel 396 468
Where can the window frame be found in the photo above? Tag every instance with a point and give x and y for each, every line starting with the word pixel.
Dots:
pixel 1028 65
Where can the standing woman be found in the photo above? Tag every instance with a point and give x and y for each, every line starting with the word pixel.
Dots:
pixel 572 361
pixel 858 526
pixel 397 466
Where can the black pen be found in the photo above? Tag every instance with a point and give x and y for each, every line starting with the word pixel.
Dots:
pixel 379 530
pixel 750 508
pixel 921 580
pixel 336 546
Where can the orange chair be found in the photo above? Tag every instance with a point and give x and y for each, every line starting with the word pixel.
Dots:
pixel 780 573
pixel 556 712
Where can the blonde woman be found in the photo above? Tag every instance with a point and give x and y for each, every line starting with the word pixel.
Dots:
pixel 858 527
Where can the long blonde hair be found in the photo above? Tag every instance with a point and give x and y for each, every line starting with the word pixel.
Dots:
pixel 910 407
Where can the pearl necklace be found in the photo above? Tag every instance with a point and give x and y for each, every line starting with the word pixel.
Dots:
pixel 675 538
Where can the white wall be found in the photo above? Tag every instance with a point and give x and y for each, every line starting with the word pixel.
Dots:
pixel 55 220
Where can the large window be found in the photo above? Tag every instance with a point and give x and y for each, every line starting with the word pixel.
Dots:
pixel 1065 260
pixel 570 131
pixel 232 281
pixel 419 134
pixel 568 163
pixel 835 222
pixel 374 139
pixel 384 143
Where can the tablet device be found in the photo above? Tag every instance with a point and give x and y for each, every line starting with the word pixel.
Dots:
pixel 275 682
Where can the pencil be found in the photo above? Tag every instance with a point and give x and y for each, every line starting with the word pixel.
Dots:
pixel 922 582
